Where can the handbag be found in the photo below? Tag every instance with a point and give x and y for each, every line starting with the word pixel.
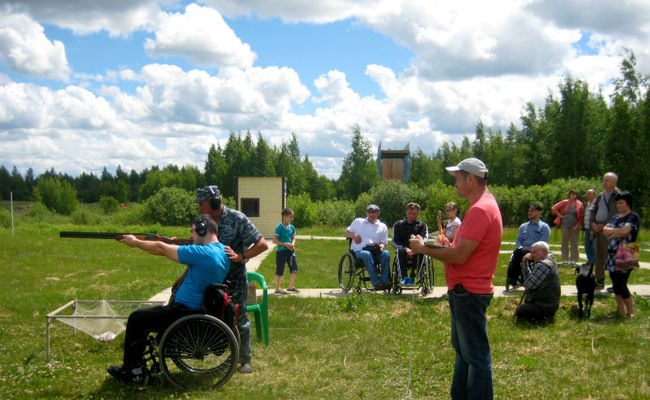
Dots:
pixel 627 256
pixel 373 248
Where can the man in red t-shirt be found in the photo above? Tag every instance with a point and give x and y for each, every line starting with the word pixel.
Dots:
pixel 470 262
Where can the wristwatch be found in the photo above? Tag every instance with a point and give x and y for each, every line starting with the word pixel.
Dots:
pixel 243 258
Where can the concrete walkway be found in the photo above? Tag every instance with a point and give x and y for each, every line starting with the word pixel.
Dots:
pixel 438 292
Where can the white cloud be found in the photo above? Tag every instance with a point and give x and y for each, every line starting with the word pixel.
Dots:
pixel 118 17
pixel 25 49
pixel 202 36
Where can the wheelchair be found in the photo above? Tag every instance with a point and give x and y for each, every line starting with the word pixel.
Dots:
pixel 196 352
pixel 423 274
pixel 353 273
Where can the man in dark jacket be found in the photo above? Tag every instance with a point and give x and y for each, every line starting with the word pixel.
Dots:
pixel 402 231
pixel 542 284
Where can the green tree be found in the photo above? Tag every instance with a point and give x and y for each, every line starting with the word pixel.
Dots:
pixel 359 172
pixel 57 195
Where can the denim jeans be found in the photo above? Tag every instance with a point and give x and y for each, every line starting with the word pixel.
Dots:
pixel 369 262
pixel 469 337
pixel 590 250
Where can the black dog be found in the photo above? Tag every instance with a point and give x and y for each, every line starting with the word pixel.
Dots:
pixel 586 284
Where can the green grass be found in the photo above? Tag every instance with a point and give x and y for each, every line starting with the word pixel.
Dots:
pixel 356 347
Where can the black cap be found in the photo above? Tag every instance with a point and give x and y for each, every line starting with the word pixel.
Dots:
pixel 372 207
pixel 536 206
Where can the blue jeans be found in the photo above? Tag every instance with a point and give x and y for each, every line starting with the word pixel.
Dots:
pixel 469 337
pixel 590 250
pixel 369 262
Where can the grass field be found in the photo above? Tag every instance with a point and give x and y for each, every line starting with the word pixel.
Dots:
pixel 361 347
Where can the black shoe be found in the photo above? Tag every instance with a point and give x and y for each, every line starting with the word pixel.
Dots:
pixel 117 372
pixel 610 289
pixel 379 286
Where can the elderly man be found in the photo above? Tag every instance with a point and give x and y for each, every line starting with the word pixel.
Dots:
pixel 542 284
pixel 601 212
pixel 369 237
pixel 470 261
pixel 529 232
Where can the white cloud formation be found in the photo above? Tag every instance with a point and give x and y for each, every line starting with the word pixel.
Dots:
pixel 25 49
pixel 473 61
pixel 202 36
pixel 118 17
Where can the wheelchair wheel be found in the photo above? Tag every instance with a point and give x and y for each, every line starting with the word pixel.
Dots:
pixel 425 276
pixel 198 352
pixel 347 272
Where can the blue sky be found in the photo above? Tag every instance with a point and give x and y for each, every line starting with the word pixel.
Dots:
pixel 87 85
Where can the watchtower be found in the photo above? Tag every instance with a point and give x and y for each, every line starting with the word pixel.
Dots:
pixel 394 161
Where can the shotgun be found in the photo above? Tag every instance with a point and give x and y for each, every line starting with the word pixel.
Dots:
pixel 120 236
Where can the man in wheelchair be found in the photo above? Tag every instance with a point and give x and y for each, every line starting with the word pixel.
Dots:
pixel 369 237
pixel 402 231
pixel 207 264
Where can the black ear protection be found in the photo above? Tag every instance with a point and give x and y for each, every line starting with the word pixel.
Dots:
pixel 200 227
pixel 215 200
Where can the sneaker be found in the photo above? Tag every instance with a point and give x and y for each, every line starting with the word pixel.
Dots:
pixel 246 368
pixel 600 285
pixel 293 290
pixel 410 281
pixel 119 373
pixel 630 316
pixel 404 281
pixel 610 289
pixel 281 291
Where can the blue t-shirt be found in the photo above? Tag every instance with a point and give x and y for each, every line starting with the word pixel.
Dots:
pixel 285 234
pixel 207 264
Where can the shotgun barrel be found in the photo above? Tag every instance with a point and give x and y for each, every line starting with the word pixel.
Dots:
pixel 120 236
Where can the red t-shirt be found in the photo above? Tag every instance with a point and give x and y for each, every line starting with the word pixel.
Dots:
pixel 482 224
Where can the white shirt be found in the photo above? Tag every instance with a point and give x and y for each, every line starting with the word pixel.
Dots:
pixel 369 232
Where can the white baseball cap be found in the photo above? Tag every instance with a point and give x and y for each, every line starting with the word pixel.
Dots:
pixel 472 165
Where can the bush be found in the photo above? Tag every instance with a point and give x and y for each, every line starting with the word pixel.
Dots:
pixel 109 204
pixel 5 218
pixel 304 211
pixel 38 212
pixel 133 214
pixel 84 216
pixel 171 206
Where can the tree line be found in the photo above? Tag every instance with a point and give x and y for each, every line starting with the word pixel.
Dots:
pixel 576 134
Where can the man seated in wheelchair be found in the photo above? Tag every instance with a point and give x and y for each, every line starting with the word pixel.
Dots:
pixel 402 231
pixel 369 238
pixel 207 264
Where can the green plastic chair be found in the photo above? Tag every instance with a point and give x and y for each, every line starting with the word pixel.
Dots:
pixel 261 310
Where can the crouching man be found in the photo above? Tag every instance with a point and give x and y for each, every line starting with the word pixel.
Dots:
pixel 542 284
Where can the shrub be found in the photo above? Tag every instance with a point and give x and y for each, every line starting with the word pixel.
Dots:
pixel 305 212
pixel 109 204
pixel 38 212
pixel 84 216
pixel 5 218
pixel 170 206
pixel 132 214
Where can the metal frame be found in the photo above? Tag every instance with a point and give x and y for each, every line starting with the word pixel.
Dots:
pixel 54 315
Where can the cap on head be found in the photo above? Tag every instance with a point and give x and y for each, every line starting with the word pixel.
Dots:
pixel 473 166
pixel 536 206
pixel 372 207
pixel 206 192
